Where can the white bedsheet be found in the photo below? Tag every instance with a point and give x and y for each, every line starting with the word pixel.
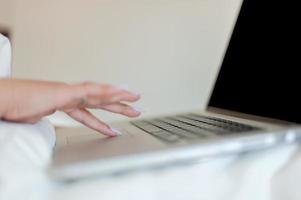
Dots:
pixel 251 176
pixel 25 152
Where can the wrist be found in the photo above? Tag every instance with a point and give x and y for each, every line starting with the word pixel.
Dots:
pixel 69 97
pixel 6 97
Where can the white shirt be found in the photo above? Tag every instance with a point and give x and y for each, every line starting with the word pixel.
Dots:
pixel 5 57
pixel 25 149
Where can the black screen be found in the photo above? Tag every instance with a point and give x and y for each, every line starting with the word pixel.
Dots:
pixel 260 71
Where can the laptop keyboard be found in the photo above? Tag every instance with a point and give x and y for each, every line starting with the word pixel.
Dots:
pixel 189 127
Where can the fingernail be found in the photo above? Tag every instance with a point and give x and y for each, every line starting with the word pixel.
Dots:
pixel 127 88
pixel 124 87
pixel 137 109
pixel 116 131
pixel 136 93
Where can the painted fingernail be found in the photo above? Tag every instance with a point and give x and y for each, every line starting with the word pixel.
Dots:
pixel 127 88
pixel 124 87
pixel 117 132
pixel 136 93
pixel 138 109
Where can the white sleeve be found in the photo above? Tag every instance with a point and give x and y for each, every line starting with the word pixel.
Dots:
pixel 5 57
pixel 25 149
pixel 25 153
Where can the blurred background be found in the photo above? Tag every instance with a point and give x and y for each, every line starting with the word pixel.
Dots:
pixel 168 50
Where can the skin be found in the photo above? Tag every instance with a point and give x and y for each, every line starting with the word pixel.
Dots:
pixel 28 101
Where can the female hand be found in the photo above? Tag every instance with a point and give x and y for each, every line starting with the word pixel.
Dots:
pixel 28 101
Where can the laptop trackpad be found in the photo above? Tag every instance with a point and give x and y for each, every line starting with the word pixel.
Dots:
pixel 69 136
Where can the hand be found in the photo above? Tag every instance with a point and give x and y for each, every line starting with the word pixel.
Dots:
pixel 29 101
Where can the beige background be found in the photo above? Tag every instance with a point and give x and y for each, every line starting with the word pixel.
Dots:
pixel 169 50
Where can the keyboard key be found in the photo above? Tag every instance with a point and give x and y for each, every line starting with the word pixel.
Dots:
pixel 169 137
pixel 176 130
pixel 201 125
pixel 147 126
pixel 223 122
pixel 190 126
pixel 158 132
pixel 196 130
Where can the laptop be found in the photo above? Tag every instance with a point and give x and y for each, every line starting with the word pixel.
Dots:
pixel 254 105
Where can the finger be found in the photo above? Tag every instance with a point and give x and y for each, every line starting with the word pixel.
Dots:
pixel 125 96
pixel 92 95
pixel 100 94
pixel 86 118
pixel 112 96
pixel 123 109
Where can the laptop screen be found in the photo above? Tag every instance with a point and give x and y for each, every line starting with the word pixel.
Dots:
pixel 259 74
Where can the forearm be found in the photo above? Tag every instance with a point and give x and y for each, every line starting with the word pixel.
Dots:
pixel 6 95
pixel 28 101
pixel 22 98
